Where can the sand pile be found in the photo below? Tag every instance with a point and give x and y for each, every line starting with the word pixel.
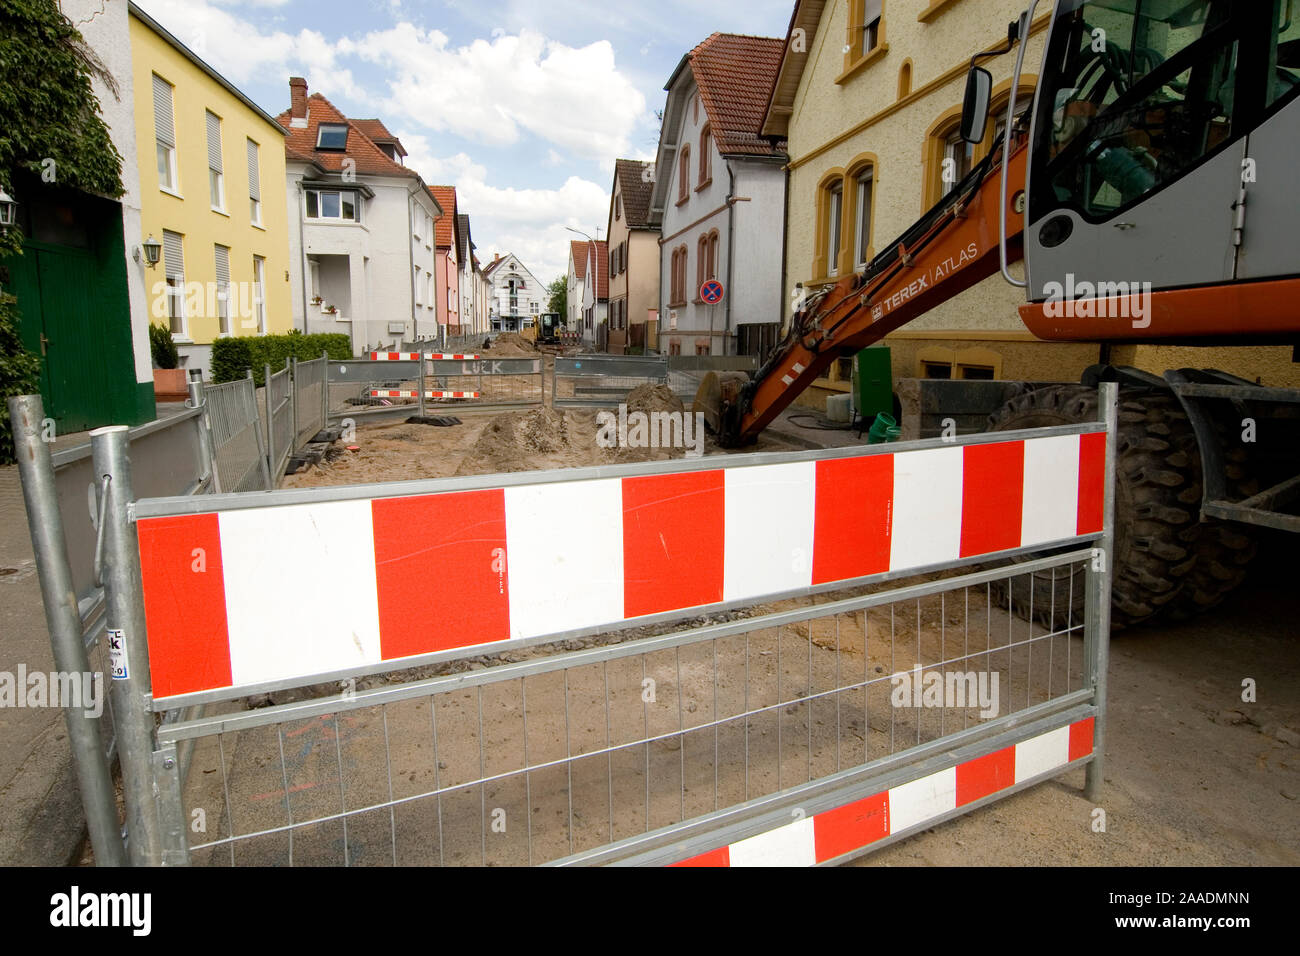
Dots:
pixel 653 398
pixel 511 344
pixel 539 438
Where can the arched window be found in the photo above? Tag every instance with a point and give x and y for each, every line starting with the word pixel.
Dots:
pixel 706 157
pixel 701 262
pixel 712 272
pixel 905 79
pixel 859 204
pixel 948 158
pixel 828 243
pixel 684 175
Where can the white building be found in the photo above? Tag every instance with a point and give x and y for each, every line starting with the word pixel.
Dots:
pixel 518 299
pixel 595 295
pixel 361 228
pixel 575 284
pixel 719 198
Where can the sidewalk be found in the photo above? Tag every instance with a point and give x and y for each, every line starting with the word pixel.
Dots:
pixel 41 820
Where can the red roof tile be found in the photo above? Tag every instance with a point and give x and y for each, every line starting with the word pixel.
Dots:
pixel 444 229
pixel 601 250
pixel 735 74
pixel 578 249
pixel 636 188
pixel 378 132
pixel 300 144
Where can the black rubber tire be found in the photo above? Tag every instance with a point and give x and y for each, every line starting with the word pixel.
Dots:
pixel 1223 551
pixel 1157 499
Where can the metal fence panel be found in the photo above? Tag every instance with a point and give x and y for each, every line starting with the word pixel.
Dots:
pixel 603 380
pixel 308 399
pixel 237 436
pixel 279 419
pixel 801 735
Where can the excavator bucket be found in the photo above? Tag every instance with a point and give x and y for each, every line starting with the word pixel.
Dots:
pixel 716 396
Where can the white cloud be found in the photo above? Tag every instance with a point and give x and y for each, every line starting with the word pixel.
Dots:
pixel 493 91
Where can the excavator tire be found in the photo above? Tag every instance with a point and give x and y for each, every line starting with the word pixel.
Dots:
pixel 1157 498
pixel 1223 551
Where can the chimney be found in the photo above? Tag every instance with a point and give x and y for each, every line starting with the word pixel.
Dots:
pixel 298 101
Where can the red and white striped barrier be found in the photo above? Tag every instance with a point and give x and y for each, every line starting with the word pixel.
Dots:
pixel 830 835
pixel 412 393
pixel 416 356
pixel 288 592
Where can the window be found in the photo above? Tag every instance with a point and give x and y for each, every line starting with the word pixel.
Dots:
pixel 678 289
pixel 254 185
pixel 419 287
pixel 216 178
pixel 674 347
pixel 330 204
pixel 684 176
pixel 706 156
pixel 863 191
pixel 866 29
pixel 905 80
pixel 165 131
pixel 333 136
pixel 701 348
pixel 701 263
pixel 834 222
pixel 174 263
pixel 221 256
pixel 713 255
pixel 618 207
pixel 957 159
pixel 417 220
pixel 1168 90
pixel 259 293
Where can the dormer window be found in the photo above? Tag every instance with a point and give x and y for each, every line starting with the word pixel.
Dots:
pixel 332 136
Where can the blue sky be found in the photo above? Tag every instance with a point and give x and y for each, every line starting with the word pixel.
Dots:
pixel 523 105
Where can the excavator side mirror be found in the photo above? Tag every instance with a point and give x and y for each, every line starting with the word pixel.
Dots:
pixel 975 106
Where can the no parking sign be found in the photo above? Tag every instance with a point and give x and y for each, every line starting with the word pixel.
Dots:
pixel 712 292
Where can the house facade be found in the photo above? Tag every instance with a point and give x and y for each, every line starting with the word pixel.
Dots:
pixel 212 191
pixel 446 244
pixel 575 286
pixel 595 296
pixel 361 246
pixel 465 277
pixel 718 199
pixel 80 282
pixel 633 256
pixel 517 297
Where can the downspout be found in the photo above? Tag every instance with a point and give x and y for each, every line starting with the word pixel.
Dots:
pixel 302 258
pixel 785 252
pixel 731 253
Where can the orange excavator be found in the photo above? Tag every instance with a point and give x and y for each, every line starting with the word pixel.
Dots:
pixel 1152 194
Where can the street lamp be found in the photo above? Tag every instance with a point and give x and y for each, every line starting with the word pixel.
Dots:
pixel 8 210
pixel 152 251
pixel 595 295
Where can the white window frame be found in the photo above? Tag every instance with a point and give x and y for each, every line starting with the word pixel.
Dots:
pixel 834 229
pixel 165 151
pixel 318 193
pixel 252 148
pixel 175 291
pixel 419 288
pixel 862 238
pixel 216 174
pixel 259 293
pixel 223 293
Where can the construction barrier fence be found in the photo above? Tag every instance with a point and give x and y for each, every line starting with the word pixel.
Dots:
pixel 891 686
pixel 602 380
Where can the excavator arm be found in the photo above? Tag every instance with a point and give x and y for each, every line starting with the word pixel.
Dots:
pixel 953 247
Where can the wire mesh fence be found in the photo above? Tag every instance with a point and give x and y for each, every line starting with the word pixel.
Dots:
pixel 237 436
pixel 533 761
pixel 309 399
pixel 279 418
pixel 602 380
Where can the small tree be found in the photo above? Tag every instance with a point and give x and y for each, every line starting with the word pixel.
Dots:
pixel 559 301
pixel 162 346
pixel 20 373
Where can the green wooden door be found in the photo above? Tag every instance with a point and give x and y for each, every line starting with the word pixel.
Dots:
pixel 76 367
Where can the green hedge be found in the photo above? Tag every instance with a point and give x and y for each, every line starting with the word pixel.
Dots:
pixel 233 357
pixel 20 372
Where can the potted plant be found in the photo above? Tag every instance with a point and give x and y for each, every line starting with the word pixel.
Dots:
pixel 316 300
pixel 168 381
pixel 332 310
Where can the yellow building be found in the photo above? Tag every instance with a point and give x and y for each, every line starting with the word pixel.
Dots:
pixel 869 98
pixel 212 184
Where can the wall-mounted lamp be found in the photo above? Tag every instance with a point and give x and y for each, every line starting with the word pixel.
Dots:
pixel 152 251
pixel 8 210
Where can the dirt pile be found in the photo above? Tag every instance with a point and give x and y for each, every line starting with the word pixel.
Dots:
pixel 640 439
pixel 509 344
pixel 539 438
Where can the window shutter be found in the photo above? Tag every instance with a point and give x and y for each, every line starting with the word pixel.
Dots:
pixel 870 12
pixel 223 265
pixel 173 253
pixel 254 174
pixel 162 111
pixel 214 141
